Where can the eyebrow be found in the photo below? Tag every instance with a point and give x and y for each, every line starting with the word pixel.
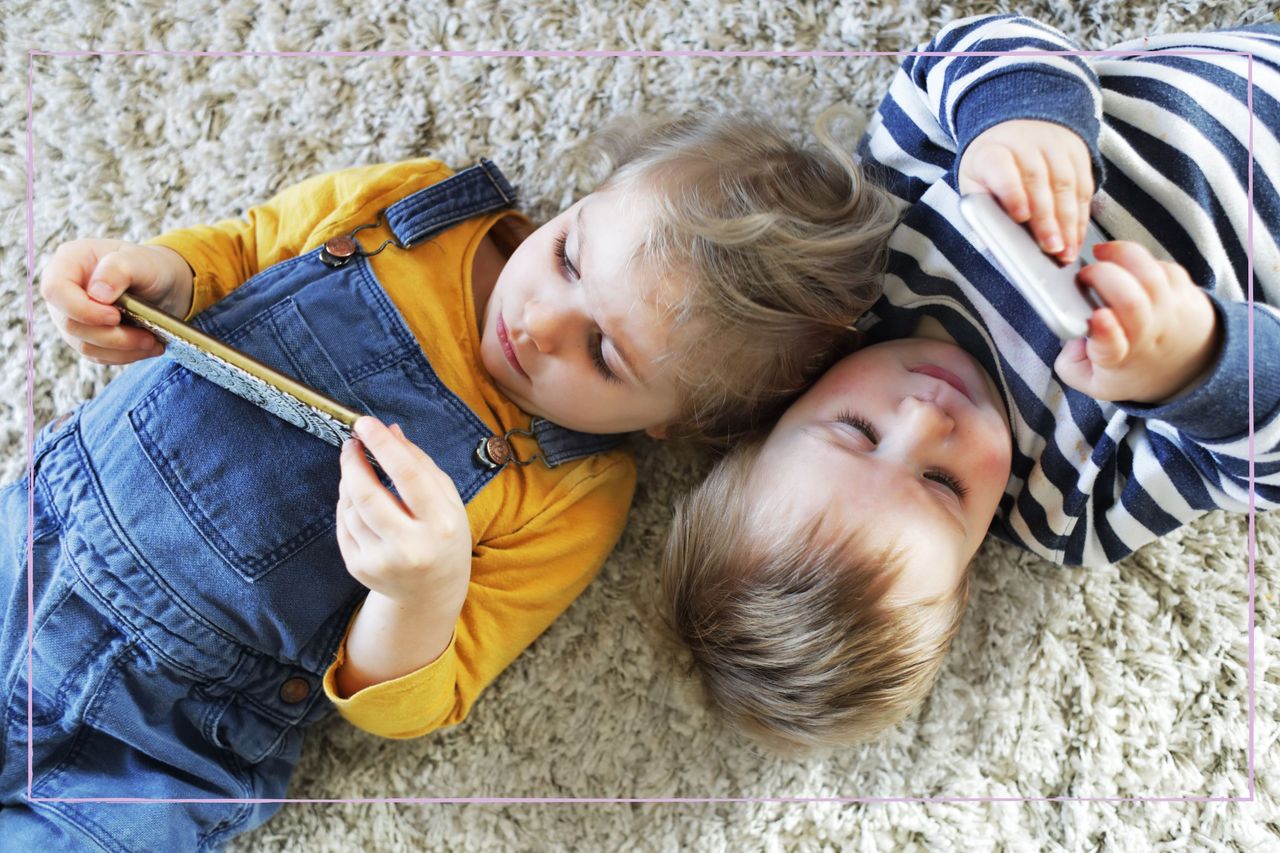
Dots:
pixel 582 265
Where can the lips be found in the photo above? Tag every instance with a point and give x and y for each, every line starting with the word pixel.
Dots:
pixel 508 349
pixel 946 376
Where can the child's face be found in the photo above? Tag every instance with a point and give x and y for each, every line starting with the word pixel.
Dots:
pixel 887 442
pixel 571 331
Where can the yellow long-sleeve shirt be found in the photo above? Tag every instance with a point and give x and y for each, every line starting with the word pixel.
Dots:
pixel 540 533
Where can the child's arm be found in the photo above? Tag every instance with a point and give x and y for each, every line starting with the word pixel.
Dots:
pixel 413 552
pixel 938 106
pixel 185 271
pixel 415 661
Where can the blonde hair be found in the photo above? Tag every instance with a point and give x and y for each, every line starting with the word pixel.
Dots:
pixel 791 631
pixel 783 246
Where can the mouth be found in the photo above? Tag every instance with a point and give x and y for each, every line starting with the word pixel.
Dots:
pixel 508 350
pixel 946 376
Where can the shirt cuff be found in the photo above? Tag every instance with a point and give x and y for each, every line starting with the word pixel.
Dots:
pixel 1026 92
pixel 401 707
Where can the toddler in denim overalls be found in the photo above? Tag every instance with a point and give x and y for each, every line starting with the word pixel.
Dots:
pixel 194 560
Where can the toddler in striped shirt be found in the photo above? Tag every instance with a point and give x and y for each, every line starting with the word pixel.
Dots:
pixel 819 574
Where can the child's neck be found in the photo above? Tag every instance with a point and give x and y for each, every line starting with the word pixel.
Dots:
pixel 930 328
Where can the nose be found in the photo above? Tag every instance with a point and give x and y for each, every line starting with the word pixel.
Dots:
pixel 921 422
pixel 550 323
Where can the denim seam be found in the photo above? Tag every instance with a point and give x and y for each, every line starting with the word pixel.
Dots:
pixel 208 320
pixel 35 631
pixel 155 578
pixel 80 820
pixel 87 721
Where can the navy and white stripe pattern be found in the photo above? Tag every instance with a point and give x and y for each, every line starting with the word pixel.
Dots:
pixel 1169 136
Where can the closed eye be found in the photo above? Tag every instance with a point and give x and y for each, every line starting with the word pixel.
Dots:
pixel 860 424
pixel 940 476
pixel 596 348
pixel 562 257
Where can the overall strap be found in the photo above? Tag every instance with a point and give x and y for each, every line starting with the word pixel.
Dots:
pixel 564 445
pixel 472 192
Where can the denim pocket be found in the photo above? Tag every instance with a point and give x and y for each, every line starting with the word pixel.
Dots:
pixel 257 489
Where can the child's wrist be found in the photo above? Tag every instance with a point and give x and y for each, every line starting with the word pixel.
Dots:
pixel 429 601
pixel 182 277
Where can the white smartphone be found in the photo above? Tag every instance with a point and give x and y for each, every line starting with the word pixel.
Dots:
pixel 1052 290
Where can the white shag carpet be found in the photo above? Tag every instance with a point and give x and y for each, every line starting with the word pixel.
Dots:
pixel 1131 681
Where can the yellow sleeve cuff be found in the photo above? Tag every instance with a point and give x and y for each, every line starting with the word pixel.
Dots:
pixel 404 707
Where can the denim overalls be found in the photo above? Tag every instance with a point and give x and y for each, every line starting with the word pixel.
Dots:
pixel 189 592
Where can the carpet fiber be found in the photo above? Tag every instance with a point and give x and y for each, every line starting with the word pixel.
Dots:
pixel 1131 681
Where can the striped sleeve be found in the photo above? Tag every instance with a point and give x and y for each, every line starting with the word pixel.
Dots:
pixel 977 73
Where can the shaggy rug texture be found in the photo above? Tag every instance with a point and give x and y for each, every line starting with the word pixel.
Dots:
pixel 1127 682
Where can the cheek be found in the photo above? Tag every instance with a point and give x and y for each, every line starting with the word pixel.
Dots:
pixel 992 463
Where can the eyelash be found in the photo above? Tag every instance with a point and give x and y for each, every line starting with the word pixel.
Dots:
pixel 935 474
pixel 596 346
pixel 563 257
pixel 862 426
pixel 947 480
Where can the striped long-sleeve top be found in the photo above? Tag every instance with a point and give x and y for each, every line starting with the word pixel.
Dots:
pixel 1169 136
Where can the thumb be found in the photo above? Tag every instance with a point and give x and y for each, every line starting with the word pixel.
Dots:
pixel 127 268
pixel 1073 366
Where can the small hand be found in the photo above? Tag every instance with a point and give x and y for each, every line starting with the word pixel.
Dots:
pixel 84 277
pixel 1038 171
pixel 1156 338
pixel 408 547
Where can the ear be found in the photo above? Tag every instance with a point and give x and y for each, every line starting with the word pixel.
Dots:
pixel 659 432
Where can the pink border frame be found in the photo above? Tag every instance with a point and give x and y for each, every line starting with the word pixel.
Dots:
pixel 443 54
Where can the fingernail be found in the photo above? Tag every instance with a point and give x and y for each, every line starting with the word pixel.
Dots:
pixel 348 445
pixel 364 426
pixel 1053 244
pixel 101 291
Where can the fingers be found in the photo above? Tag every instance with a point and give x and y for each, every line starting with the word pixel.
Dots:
pixel 1066 204
pixel 1041 174
pixel 360 536
pixel 373 511
pixel 112 344
pixel 1036 176
pixel 996 171
pixel 81 281
pixel 65 279
pixel 1072 364
pixel 1151 274
pixel 418 480
pixel 1084 195
pixel 1130 304
pixel 1108 345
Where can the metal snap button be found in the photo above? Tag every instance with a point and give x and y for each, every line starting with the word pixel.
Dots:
pixel 294 690
pixel 338 250
pixel 494 451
